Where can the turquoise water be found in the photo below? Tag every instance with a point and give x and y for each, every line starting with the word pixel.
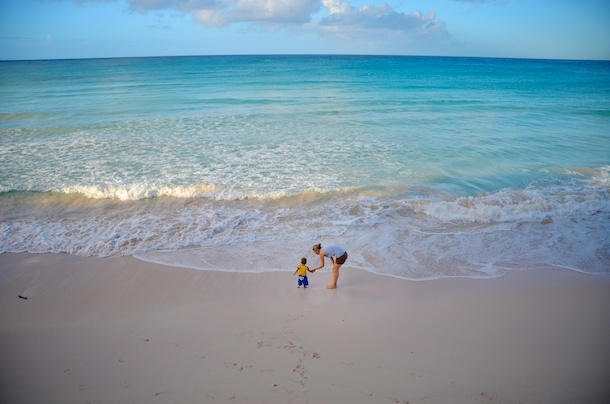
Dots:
pixel 420 167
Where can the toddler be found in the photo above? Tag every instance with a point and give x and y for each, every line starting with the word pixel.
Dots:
pixel 302 271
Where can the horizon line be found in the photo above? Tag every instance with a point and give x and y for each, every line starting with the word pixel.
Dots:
pixel 296 55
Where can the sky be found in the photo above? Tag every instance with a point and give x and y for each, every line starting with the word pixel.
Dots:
pixel 542 29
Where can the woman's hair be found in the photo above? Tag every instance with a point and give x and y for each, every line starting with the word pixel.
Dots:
pixel 317 247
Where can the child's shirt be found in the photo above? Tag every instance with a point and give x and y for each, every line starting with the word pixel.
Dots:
pixel 302 270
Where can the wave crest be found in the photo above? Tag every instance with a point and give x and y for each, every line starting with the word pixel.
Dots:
pixel 141 191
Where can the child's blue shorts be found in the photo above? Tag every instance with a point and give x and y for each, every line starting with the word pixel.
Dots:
pixel 303 281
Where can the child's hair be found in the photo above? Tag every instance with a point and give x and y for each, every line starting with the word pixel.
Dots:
pixel 303 261
pixel 317 247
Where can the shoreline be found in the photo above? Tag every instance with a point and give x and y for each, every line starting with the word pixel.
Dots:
pixel 123 330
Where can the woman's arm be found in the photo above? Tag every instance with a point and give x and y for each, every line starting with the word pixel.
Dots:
pixel 321 261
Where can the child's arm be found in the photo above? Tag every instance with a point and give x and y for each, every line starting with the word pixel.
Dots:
pixel 295 272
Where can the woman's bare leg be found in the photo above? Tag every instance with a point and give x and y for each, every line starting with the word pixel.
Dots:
pixel 335 276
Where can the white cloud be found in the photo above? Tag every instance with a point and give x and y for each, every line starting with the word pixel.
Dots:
pixel 341 15
pixel 349 21
pixel 338 18
pixel 259 11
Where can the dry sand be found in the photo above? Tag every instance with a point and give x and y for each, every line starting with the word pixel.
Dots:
pixel 118 330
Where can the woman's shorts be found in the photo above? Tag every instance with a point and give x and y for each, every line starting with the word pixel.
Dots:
pixel 341 260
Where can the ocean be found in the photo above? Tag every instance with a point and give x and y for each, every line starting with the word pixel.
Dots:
pixel 420 167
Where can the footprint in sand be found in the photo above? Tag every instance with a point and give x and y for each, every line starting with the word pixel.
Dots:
pixel 237 367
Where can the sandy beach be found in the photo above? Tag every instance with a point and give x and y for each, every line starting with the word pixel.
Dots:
pixel 119 330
